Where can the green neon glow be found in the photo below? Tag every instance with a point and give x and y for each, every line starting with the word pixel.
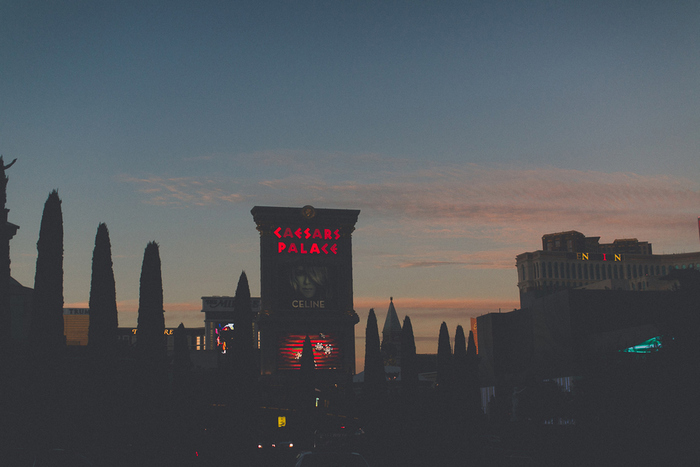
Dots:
pixel 648 346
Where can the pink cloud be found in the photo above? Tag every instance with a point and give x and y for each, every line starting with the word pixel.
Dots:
pixel 451 201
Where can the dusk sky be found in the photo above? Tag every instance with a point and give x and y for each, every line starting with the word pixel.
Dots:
pixel 462 130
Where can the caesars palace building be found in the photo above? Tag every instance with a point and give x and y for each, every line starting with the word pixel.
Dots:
pixel 572 260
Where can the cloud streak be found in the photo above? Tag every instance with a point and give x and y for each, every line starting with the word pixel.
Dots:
pixel 501 205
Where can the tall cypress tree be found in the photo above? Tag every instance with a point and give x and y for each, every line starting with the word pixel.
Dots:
pixel 102 333
pixel 460 358
pixel 151 321
pixel 409 363
pixel 244 341
pixel 47 309
pixel 460 370
pixel 181 360
pixel 374 385
pixel 307 364
pixel 5 234
pixel 472 368
pixel 444 359
pixel 307 369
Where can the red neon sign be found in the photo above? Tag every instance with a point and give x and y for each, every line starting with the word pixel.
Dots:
pixel 306 234
pixel 305 248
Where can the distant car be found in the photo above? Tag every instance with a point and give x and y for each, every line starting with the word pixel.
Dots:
pixel 330 459
pixel 276 445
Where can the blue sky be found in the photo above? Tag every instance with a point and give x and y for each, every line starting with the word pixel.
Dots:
pixel 462 130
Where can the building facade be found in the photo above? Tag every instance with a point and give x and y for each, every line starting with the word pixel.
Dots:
pixel 571 260
pixel 306 289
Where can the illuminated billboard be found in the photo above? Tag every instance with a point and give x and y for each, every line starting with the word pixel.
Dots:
pixel 306 286
pixel 306 258
pixel 224 336
pixel 326 349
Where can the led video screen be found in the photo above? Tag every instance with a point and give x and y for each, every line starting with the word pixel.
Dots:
pixel 326 349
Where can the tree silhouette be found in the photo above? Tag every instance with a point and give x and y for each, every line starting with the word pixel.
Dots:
pixel 374 385
pixel 460 361
pixel 473 387
pixel 409 364
pixel 47 309
pixel 5 233
pixel 444 359
pixel 244 341
pixel 181 360
pixel 102 333
pixel 151 320
pixel 307 364
pixel 306 374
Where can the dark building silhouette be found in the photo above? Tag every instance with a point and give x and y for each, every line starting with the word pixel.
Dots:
pixel 580 301
pixel 221 316
pixel 571 260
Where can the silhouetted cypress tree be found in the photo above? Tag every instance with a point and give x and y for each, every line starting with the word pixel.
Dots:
pixel 181 359
pixel 102 333
pixel 306 374
pixel 151 320
pixel 460 360
pixel 375 379
pixel 47 309
pixel 444 359
pixel 409 363
pixel 5 312
pixel 181 352
pixel 473 385
pixel 307 364
pixel 244 341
